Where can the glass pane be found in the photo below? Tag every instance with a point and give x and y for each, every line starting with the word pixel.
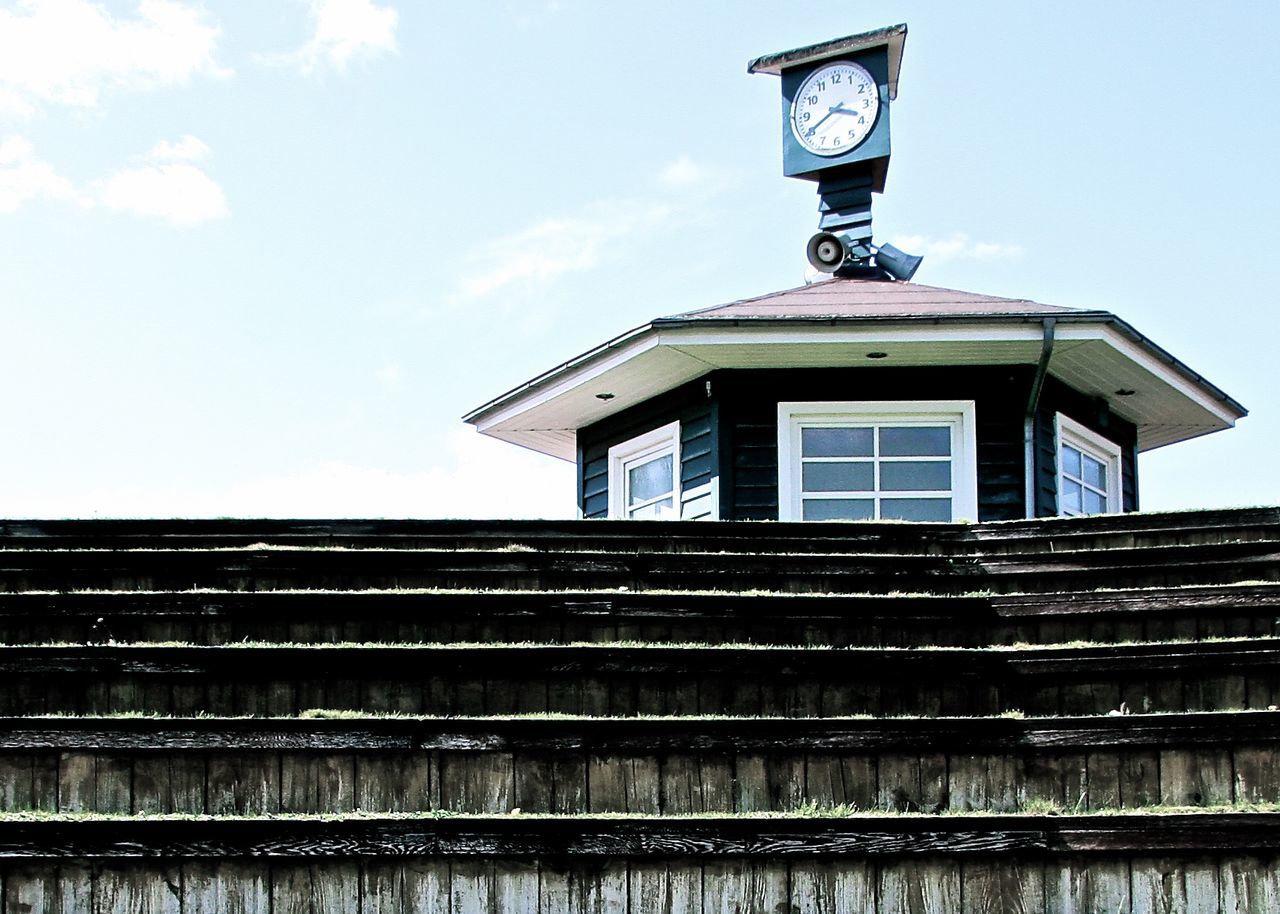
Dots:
pixel 838 509
pixel 650 479
pixel 1094 503
pixel 1071 497
pixel 837 477
pixel 655 511
pixel 1095 473
pixel 915 509
pixel 915 442
pixel 1070 460
pixel 835 442
pixel 915 476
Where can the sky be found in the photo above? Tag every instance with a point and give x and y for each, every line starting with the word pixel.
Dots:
pixel 257 259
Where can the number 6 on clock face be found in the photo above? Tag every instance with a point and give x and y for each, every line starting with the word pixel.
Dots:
pixel 835 108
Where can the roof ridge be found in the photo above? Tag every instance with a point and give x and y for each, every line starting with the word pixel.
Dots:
pixel 832 285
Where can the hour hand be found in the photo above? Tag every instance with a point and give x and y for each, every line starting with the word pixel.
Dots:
pixel 837 108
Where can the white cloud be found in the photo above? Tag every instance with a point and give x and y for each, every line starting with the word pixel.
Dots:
pixel 479 478
pixel 554 247
pixel 344 29
pixel 23 177
pixel 957 246
pixel 70 52
pixel 187 149
pixel 681 173
pixel 168 186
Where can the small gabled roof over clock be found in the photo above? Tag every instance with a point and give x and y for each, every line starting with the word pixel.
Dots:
pixel 891 37
pixel 837 324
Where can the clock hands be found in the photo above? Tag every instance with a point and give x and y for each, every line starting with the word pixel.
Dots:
pixel 837 108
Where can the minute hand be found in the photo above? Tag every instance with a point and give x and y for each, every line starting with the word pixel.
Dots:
pixel 831 112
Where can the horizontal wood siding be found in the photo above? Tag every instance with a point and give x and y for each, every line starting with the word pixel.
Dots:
pixel 749 403
pixel 691 406
pixel 1095 415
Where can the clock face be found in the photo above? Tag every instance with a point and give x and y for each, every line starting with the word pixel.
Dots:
pixel 835 108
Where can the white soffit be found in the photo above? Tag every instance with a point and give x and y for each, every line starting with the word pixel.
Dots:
pixel 1093 358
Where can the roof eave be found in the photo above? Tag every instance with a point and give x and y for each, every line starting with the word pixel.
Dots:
pixel 893 36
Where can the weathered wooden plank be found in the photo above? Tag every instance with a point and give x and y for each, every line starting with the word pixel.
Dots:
pixel 534 789
pixel 665 888
pixel 1104 780
pixel 471 887
pixel 598 890
pixel 317 782
pixel 226 887
pixel 569 783
pixel 1249 885
pixel 1089 886
pixel 243 784
pixel 477 782
pixel 1191 777
pixel 1174 886
pixel 920 887
pixel 16 788
pixel 515 888
pixel 744 885
pixel 1257 774
pixel 396 782
pixel 1003 887
pixel 834 779
pixel 847 887
pixel 405 887
pixel 46 888
pixel 169 783
pixel 137 890
pixel 329 888
pixel 623 784
pixel 1139 778
pixel 77 782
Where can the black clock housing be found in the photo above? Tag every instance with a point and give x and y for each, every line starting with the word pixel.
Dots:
pixel 798 162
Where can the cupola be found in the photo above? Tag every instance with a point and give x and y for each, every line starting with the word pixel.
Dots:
pixel 864 396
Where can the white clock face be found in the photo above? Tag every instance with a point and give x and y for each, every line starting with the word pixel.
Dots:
pixel 835 108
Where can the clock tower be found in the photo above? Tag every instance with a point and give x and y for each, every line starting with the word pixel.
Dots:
pixel 835 131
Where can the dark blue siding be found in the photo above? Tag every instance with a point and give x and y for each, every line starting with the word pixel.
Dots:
pixel 689 404
pixel 1094 415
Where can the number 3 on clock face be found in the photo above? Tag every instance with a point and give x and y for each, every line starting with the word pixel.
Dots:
pixel 835 108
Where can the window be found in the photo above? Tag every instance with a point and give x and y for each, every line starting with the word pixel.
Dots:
pixel 644 476
pixel 883 460
pixel 1088 470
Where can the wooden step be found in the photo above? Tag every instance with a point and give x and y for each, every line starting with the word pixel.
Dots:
pixel 656 766
pixel 611 680
pixel 341 569
pixel 1048 534
pixel 883 865
pixel 221 617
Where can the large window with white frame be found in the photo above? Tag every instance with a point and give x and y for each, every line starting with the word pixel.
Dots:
pixel 877 460
pixel 1088 470
pixel 644 476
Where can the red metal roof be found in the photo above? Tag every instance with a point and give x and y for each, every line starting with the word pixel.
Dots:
pixel 874 298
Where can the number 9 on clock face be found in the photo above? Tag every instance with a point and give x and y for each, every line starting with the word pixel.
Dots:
pixel 835 108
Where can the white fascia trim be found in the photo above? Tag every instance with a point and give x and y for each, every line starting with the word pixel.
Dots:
pixel 1142 356
pixel 1068 430
pixel 886 332
pixel 658 441
pixel 569 379
pixel 964 463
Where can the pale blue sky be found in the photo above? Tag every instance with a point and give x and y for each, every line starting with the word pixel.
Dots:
pixel 257 258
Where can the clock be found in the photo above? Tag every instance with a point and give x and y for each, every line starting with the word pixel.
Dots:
pixel 835 108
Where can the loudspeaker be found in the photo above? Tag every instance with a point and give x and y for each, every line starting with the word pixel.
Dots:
pixel 826 252
pixel 895 263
